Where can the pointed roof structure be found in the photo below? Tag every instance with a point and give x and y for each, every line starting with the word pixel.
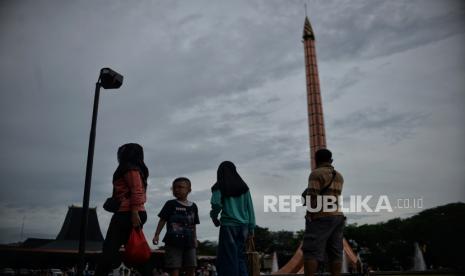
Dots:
pixel 308 31
pixel 71 225
pixel 67 239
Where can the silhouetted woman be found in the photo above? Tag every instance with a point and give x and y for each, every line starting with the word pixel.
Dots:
pixel 231 197
pixel 130 185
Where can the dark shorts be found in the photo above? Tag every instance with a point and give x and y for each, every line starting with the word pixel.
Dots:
pixel 176 257
pixel 324 235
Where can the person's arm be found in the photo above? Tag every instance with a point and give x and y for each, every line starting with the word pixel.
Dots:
pixel 156 237
pixel 251 212
pixel 196 221
pixel 195 236
pixel 217 206
pixel 314 187
pixel 136 199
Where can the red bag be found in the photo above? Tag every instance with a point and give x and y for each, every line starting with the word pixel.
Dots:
pixel 136 250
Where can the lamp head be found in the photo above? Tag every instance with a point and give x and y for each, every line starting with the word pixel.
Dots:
pixel 110 79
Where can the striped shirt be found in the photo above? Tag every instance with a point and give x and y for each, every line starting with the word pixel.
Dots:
pixel 318 180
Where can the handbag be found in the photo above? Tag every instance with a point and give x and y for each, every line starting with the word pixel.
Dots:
pixel 136 250
pixel 112 203
pixel 253 259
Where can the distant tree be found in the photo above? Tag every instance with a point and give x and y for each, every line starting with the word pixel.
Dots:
pixel 439 232
pixel 387 245
pixel 285 243
pixel 263 240
pixel 207 248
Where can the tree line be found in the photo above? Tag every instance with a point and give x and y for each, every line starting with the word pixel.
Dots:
pixel 439 232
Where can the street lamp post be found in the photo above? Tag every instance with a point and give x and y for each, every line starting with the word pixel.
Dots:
pixel 108 79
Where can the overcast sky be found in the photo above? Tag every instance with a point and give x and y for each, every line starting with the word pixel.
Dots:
pixel 208 81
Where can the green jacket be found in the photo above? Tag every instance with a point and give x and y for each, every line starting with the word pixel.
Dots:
pixel 234 210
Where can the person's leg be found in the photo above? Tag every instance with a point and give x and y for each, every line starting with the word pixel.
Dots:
pixel 241 235
pixel 189 261
pixel 173 259
pixel 315 237
pixel 310 267
pixel 226 260
pixel 335 268
pixel 144 269
pixel 190 271
pixel 117 235
pixel 334 246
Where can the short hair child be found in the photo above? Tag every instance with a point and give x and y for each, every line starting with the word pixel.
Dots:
pixel 181 217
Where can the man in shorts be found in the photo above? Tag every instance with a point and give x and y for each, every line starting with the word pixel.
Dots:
pixel 323 226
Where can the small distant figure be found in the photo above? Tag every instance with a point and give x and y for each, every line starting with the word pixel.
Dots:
pixel 231 197
pixel 213 270
pixel 181 217
pixel 323 228
pixel 129 187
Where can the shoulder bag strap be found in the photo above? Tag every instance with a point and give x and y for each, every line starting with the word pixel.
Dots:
pixel 322 191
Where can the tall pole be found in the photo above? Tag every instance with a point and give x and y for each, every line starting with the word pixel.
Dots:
pixel 316 124
pixel 85 201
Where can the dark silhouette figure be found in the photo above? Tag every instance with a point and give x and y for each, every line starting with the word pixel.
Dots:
pixel 231 197
pixel 129 187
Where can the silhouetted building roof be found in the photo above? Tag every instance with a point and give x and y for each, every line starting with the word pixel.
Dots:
pixel 72 225
pixel 68 237
pixel 72 245
pixel 34 243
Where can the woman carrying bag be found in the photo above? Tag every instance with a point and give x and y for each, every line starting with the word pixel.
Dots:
pixel 231 197
pixel 127 203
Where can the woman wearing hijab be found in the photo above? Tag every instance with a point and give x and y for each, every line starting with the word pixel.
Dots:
pixel 129 187
pixel 231 197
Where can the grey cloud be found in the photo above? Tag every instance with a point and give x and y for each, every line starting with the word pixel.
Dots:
pixel 296 165
pixel 341 85
pixel 203 195
pixel 13 234
pixel 243 115
pixel 192 18
pixel 31 190
pixel 174 161
pixel 370 29
pixel 273 100
pixel 396 125
pixel 357 217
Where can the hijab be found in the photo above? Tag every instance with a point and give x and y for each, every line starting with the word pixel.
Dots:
pixel 228 181
pixel 131 157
